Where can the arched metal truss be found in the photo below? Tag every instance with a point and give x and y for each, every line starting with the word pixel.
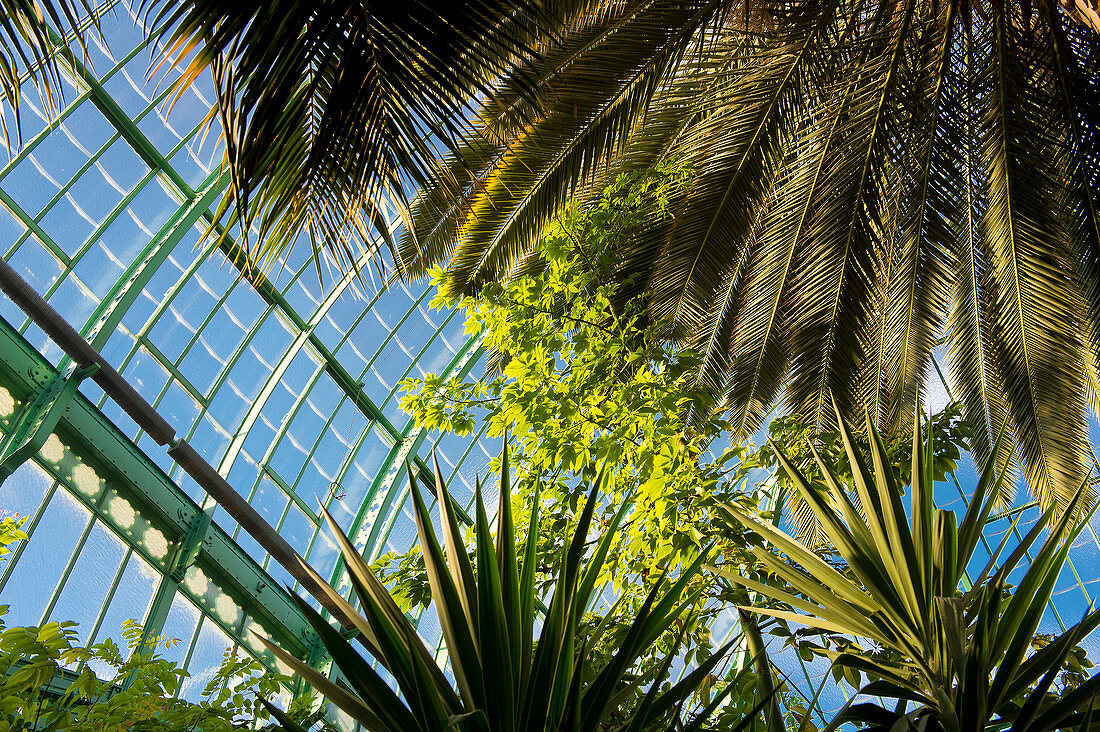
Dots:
pixel 287 387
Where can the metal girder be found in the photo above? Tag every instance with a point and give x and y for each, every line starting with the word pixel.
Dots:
pixel 38 418
pixel 131 475
pixel 187 549
pixel 350 385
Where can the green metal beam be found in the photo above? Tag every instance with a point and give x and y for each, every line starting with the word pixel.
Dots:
pixel 137 480
pixel 108 315
pixel 38 418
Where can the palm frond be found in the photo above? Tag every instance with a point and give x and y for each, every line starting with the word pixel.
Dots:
pixel 915 283
pixel 870 180
pixel 332 112
pixel 1037 343
pixel 31 33
pixel 606 75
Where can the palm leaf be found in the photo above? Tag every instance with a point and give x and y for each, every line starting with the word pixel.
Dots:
pixel 870 180
pixel 331 111
pixel 29 50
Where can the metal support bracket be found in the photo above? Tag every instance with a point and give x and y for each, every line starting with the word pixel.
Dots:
pixel 38 418
pixel 187 549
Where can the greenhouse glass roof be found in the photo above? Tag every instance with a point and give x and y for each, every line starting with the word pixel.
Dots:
pixel 286 387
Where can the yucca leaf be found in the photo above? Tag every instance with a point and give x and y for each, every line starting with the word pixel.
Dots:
pixel 923 510
pixel 427 710
pixel 475 721
pixel 346 700
pixel 853 528
pixel 867 715
pixel 456 626
pixel 366 633
pixel 809 561
pixel 1025 675
pixel 889 577
pixel 829 607
pixel 865 557
pixel 492 628
pixel 458 561
pixel 812 621
pixel 982 500
pixel 570 574
pixel 641 716
pixel 386 617
pixel 950 613
pixel 991 565
pixel 946 556
pixel 1021 549
pixel 891 690
pixel 1026 606
pixel 674 601
pixel 280 716
pixel 528 569
pixel 681 690
pixel 597 698
pixel 548 688
pixel 1058 713
pixel 509 571
pixel 749 719
pixel 1052 664
pixel 596 561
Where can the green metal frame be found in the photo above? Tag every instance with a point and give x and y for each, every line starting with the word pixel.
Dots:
pixel 130 474
pixel 197 540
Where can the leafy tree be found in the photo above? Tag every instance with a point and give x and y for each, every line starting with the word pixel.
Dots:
pixel 581 379
pixel 47 683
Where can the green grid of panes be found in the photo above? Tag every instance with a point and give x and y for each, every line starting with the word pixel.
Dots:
pixel 98 511
pixel 322 364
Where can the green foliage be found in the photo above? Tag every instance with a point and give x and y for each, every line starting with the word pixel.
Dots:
pixel 964 660
pixel 504 678
pixel 11 531
pixel 875 181
pixel 47 682
pixel 584 379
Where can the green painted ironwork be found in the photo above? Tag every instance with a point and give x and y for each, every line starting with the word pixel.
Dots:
pixel 128 474
pixel 39 417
